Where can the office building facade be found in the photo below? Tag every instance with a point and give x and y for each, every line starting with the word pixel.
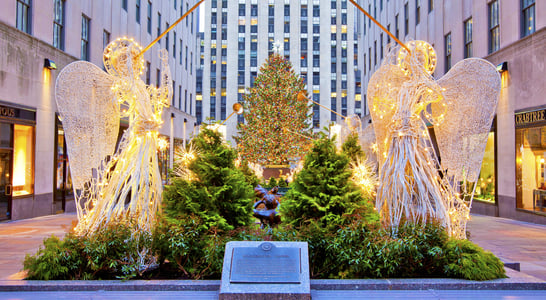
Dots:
pixel 36 37
pixel 511 34
pixel 317 36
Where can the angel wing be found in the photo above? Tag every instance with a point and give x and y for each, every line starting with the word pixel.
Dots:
pixel 471 92
pixel 90 117
pixel 383 94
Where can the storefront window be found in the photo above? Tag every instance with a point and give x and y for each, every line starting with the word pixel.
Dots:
pixel 530 154
pixel 63 183
pixel 485 187
pixel 23 167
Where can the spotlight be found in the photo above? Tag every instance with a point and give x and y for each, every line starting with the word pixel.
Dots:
pixel 503 66
pixel 48 63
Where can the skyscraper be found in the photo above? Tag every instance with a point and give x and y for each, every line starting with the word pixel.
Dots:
pixel 317 36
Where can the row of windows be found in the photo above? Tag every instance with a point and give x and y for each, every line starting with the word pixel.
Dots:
pixel 23 23
pixel 528 27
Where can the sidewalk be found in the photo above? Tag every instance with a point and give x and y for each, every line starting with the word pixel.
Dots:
pixel 509 239
pixel 17 238
pixel 512 240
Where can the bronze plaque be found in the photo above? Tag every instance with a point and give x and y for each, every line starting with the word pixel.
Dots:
pixel 265 264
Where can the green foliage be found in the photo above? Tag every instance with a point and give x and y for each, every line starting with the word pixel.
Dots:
pixel 323 208
pixel 250 177
pixel 111 252
pixel 465 259
pixel 221 196
pixel 322 191
pixel 351 147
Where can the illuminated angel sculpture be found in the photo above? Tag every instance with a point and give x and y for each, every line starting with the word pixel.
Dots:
pixel 124 185
pixel 404 97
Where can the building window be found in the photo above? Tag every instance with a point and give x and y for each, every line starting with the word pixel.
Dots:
pixel 254 10
pixel 23 166
pixel 381 45
pixel 58 24
pixel 157 77
pixel 287 10
pixel 186 59
pixel 124 4
pixel 406 19
pixel 180 54
pixel 316 111
pixel 137 11
pixel 148 72
pixel 494 31
pixel 528 17
pixel 174 44
pixel 447 47
pixel 84 49
pixel 417 11
pixel 149 22
pixel 167 37
pixel 105 38
pixel 468 38
pixel 396 28
pixel 23 15
pixel 430 5
pixel 375 53
pixel 242 9
pixel 158 24
pixel 187 9
pixel 180 97
pixel 316 11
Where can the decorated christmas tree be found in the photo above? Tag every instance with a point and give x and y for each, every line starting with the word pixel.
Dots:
pixel 277 127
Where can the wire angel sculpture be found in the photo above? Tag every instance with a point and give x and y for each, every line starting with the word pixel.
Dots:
pixel 124 185
pixel 403 98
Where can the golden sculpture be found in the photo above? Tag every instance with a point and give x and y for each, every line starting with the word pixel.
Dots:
pixel 403 97
pixel 124 185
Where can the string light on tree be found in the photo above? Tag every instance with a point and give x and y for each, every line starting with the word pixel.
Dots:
pixel 277 127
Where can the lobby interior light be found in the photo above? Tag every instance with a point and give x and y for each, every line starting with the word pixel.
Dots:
pixel 48 63
pixel 503 66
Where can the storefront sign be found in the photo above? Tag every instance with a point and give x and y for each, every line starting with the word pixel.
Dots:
pixel 7 112
pixel 17 113
pixel 531 117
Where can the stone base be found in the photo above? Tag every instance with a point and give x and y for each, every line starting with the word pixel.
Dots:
pixel 272 296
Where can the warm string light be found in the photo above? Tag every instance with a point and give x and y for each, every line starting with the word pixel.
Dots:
pixel 130 173
pixel 276 128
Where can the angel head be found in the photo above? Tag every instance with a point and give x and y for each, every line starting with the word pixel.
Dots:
pixel 121 58
pixel 422 57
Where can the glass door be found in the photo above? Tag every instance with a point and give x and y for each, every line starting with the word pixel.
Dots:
pixel 6 189
pixel 6 157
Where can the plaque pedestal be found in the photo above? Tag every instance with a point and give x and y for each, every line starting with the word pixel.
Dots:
pixel 265 270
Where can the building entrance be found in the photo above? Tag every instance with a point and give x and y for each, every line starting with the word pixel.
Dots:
pixel 6 188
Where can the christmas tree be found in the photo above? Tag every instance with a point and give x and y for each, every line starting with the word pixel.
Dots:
pixel 277 128
pixel 323 191
pixel 216 192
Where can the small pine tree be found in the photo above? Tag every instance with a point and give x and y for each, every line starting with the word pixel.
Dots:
pixel 277 119
pixel 322 191
pixel 220 195
pixel 351 147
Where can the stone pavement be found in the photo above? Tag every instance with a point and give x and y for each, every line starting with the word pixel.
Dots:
pixel 512 240
pixel 509 239
pixel 17 238
pixel 316 295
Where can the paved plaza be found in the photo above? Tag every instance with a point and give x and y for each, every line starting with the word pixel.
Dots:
pixel 511 240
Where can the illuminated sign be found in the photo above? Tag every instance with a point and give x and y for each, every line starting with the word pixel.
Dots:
pixel 531 117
